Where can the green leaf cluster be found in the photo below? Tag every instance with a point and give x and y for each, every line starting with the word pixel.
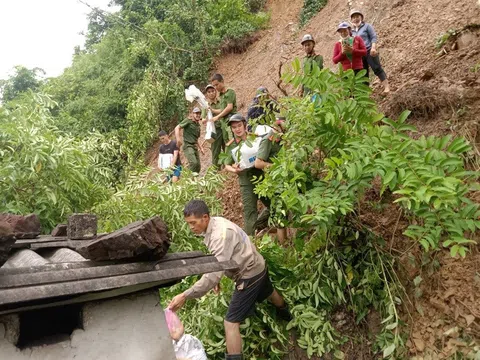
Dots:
pixel 129 79
pixel 338 143
pixel 45 171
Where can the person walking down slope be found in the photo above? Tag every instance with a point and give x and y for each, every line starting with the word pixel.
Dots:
pixel 252 284
pixel 270 146
pixel 311 57
pixel 369 37
pixel 246 177
pixel 263 106
pixel 191 142
pixel 349 50
pixel 214 104
pixel 228 106
pixel 170 147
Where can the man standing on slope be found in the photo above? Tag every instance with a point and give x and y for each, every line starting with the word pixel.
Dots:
pixel 191 142
pixel 228 106
pixel 310 58
pixel 246 177
pixel 252 284
pixel 170 147
pixel 269 148
pixel 214 104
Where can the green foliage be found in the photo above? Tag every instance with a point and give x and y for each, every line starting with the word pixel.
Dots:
pixel 45 171
pixel 349 273
pixel 336 146
pixel 310 9
pixel 130 78
pixel 23 80
pixel 442 39
pixel 255 6
pixel 142 197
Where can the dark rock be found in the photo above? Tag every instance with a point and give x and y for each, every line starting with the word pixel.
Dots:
pixel 7 239
pixel 24 227
pixel 142 240
pixel 60 230
pixel 82 226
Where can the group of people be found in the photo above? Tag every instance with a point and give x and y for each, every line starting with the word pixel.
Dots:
pixel 356 50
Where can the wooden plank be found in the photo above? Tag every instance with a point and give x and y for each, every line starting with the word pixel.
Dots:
pixel 69 244
pixel 18 280
pixel 49 238
pixel 20 246
pixel 84 264
pixel 24 294
pixel 82 298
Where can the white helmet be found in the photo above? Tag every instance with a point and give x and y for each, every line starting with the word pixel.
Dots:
pixel 307 37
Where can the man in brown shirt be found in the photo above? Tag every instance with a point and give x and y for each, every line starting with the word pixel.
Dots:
pixel 227 241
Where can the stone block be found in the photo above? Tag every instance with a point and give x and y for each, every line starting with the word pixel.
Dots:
pixel 82 226
pixel 24 227
pixel 7 239
pixel 141 240
pixel 60 230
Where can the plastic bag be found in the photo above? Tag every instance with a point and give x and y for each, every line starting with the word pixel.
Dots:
pixel 165 161
pixel 174 324
pixel 245 154
pixel 262 130
pixel 210 131
pixel 185 346
pixel 194 94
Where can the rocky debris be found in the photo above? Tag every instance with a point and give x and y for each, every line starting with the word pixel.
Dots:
pixel 82 226
pixel 60 230
pixel 24 227
pixel 142 240
pixel 7 239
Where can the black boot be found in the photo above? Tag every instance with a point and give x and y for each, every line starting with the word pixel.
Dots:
pixel 233 356
pixel 283 313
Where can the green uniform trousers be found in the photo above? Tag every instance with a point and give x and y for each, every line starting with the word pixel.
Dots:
pixel 250 213
pixel 217 146
pixel 191 153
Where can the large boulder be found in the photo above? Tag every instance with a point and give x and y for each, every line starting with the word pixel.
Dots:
pixel 141 240
pixel 24 227
pixel 7 239
pixel 82 226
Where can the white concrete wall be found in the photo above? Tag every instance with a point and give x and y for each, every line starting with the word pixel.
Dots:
pixel 132 327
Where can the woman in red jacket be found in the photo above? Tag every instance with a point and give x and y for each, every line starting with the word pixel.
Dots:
pixel 349 50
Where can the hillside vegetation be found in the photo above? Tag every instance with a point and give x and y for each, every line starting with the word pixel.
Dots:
pixel 380 195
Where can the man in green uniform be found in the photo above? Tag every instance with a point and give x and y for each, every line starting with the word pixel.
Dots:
pixel 191 142
pixel 214 104
pixel 238 124
pixel 268 149
pixel 227 107
pixel 311 57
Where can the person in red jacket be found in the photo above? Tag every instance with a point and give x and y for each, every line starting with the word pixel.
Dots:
pixel 350 50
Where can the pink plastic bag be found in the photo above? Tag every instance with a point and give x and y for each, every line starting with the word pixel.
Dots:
pixel 174 324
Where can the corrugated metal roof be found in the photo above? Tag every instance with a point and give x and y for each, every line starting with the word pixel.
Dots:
pixel 48 271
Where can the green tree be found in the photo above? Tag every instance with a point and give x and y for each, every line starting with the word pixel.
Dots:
pixel 22 80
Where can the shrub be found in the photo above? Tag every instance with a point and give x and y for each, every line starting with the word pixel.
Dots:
pixel 310 9
pixel 43 170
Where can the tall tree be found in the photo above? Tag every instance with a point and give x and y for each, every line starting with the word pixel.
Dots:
pixel 24 79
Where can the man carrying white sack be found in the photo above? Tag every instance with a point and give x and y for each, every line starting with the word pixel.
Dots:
pixel 247 174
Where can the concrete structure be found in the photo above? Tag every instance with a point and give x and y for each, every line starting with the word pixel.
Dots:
pixel 131 327
pixel 55 304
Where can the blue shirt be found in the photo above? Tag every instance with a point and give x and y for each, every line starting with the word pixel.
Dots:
pixel 367 33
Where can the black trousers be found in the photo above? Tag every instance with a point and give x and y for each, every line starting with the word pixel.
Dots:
pixel 373 62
